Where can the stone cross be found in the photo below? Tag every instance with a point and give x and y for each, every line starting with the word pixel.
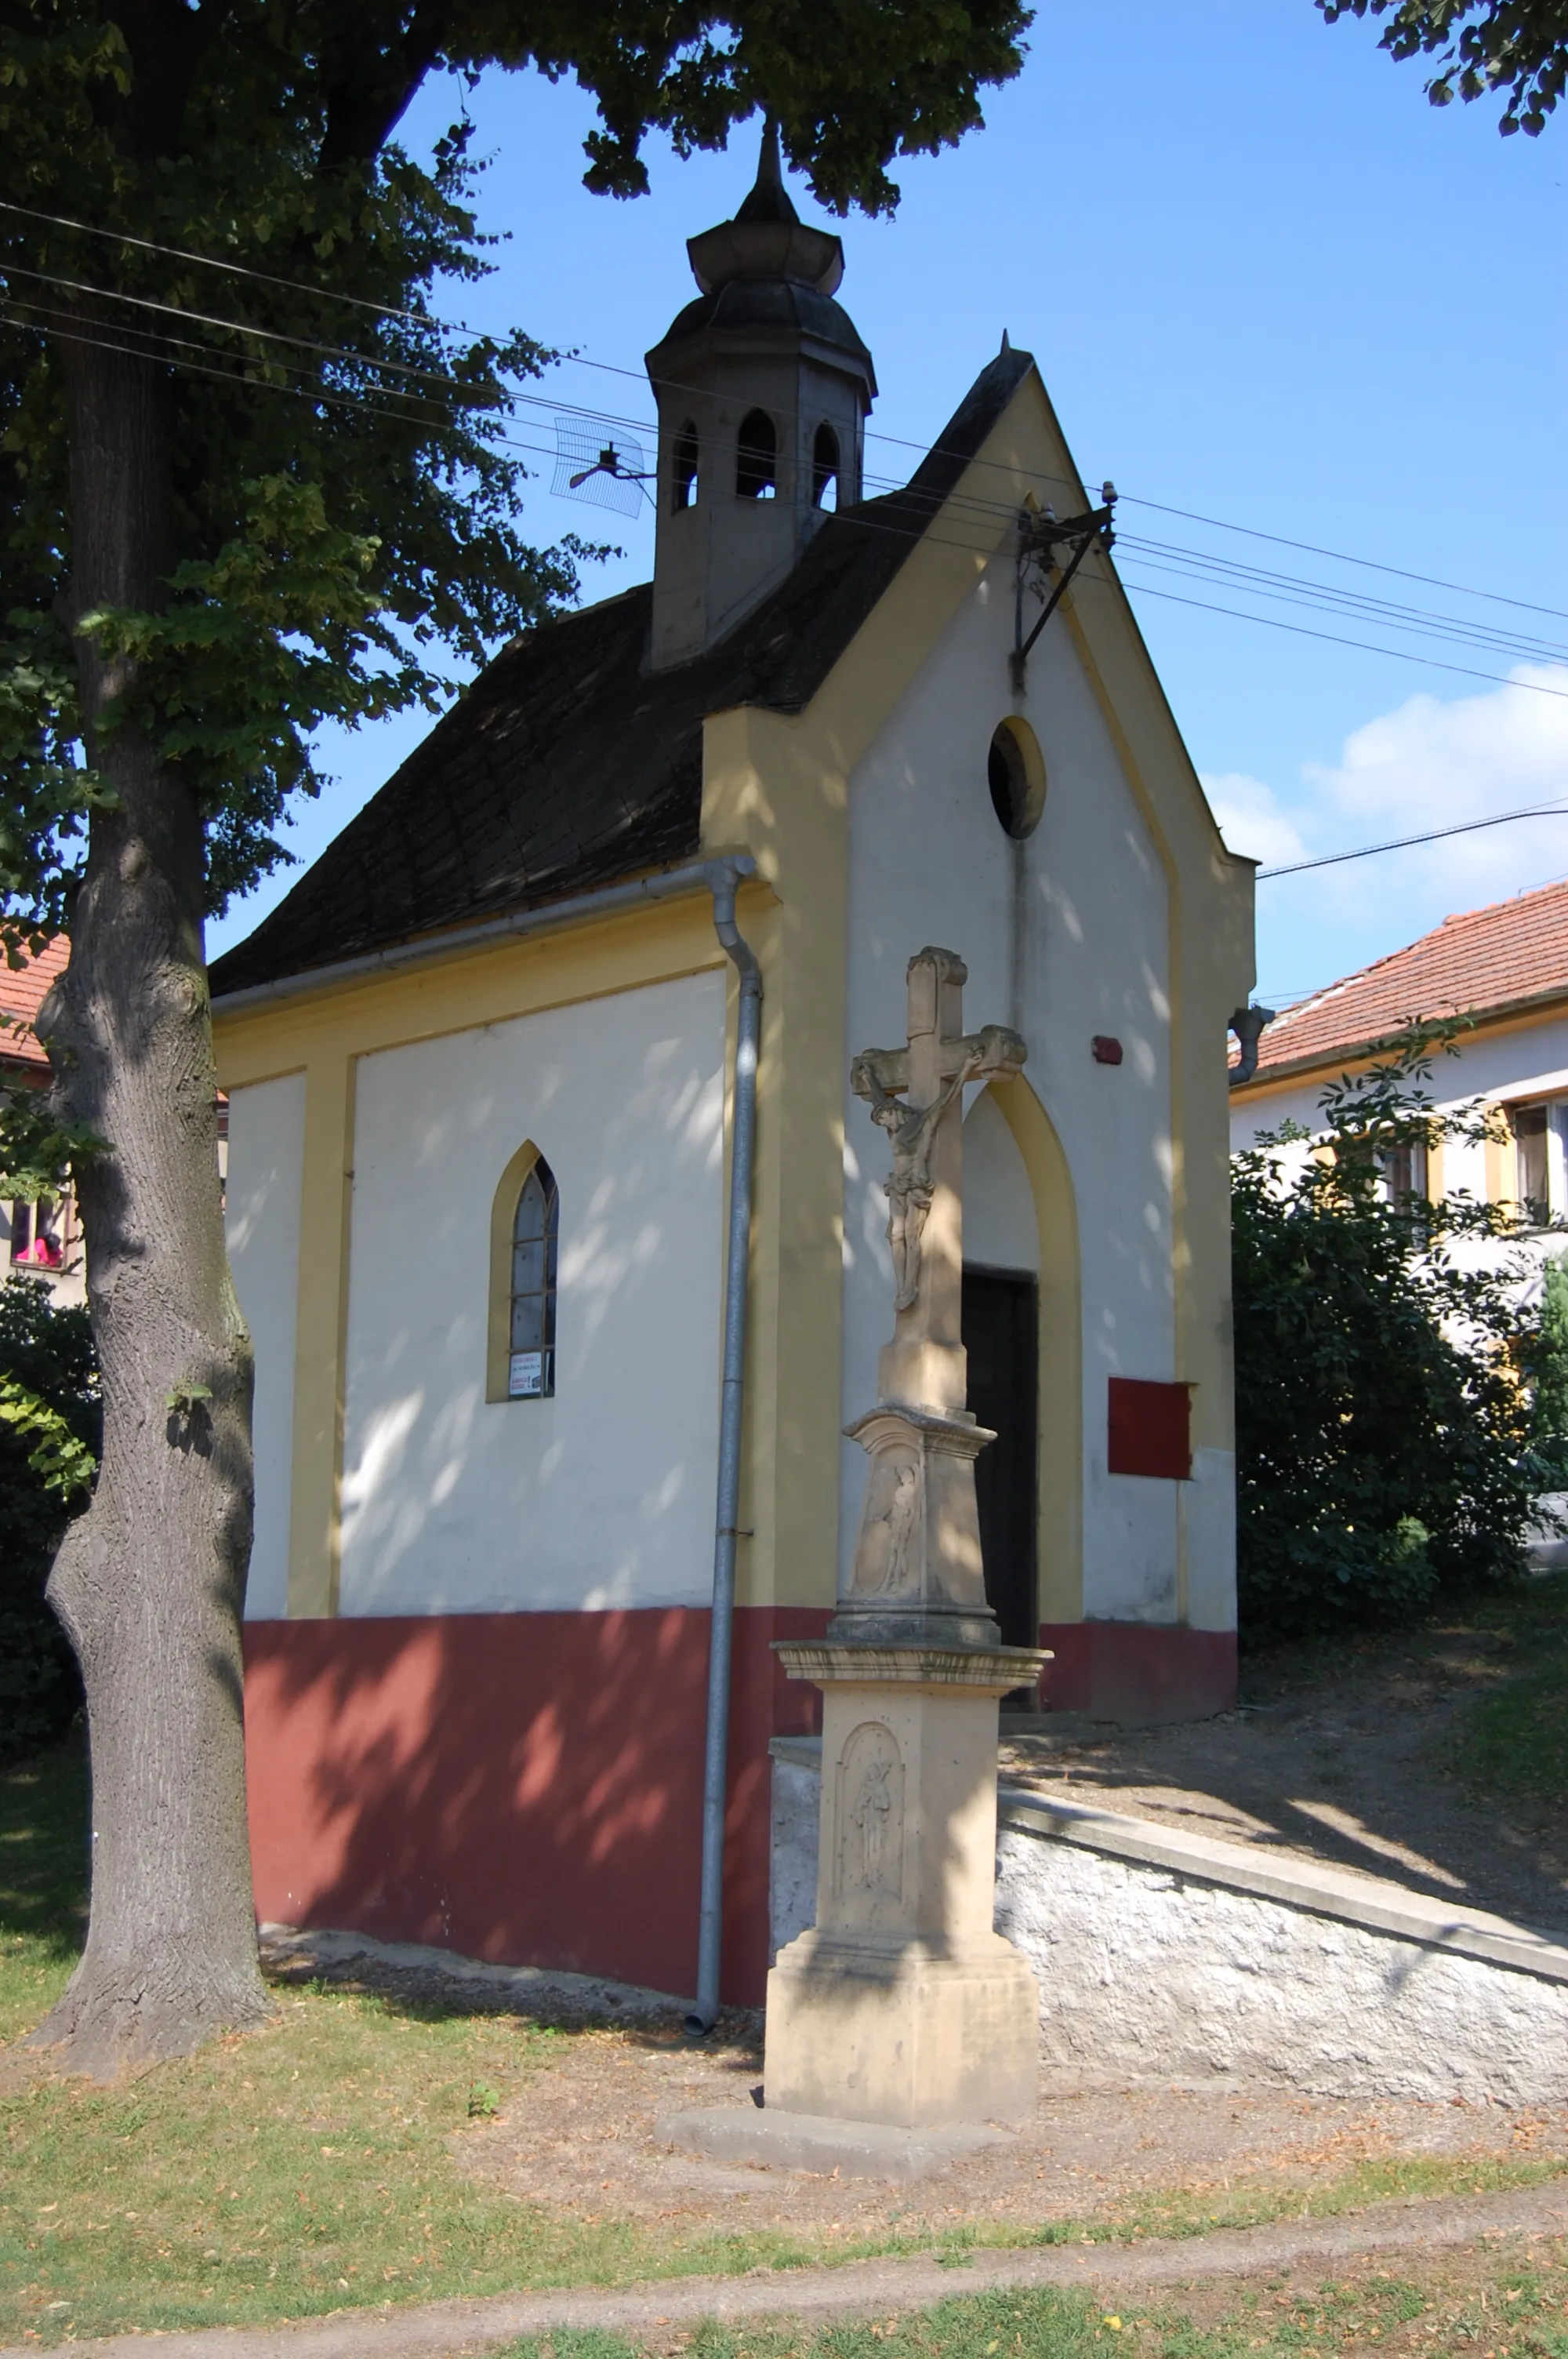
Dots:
pixel 917 1096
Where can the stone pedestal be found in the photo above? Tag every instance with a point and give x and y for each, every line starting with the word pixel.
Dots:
pixel 901 2005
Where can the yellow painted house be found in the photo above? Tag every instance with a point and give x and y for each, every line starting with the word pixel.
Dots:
pixel 481 1065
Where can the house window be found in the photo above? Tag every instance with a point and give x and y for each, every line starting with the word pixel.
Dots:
pixel 1532 1128
pixel 38 1234
pixel 1403 1169
pixel 757 457
pixel 682 473
pixel 531 1347
pixel 825 469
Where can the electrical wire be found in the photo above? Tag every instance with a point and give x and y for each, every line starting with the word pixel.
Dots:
pixel 1334 640
pixel 1320 597
pixel 320 393
pixel 427 319
pixel 1402 842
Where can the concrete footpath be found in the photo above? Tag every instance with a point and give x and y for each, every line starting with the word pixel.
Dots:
pixel 870 2288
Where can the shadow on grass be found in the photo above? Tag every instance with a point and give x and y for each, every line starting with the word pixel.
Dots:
pixel 43 1851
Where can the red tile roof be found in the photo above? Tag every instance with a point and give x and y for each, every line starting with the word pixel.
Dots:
pixel 22 993
pixel 1479 962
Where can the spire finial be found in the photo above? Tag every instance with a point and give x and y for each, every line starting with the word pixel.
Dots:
pixel 768 199
pixel 1006 342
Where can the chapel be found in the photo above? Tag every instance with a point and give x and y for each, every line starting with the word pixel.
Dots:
pixel 482 1066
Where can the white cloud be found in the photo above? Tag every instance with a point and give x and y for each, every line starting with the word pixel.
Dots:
pixel 1248 816
pixel 1431 764
pixel 1428 763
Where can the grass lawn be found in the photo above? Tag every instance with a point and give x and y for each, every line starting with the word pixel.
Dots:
pixel 1500 2306
pixel 312 2165
pixel 1516 1740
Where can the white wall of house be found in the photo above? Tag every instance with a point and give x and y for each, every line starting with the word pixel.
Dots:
pixel 1529 1062
pixel 266 1149
pixel 603 1496
pixel 1065 935
pixel 1527 1065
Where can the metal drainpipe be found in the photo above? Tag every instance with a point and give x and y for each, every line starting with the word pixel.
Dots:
pixel 1248 1024
pixel 723 877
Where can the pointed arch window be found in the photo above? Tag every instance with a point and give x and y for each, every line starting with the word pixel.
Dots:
pixel 825 469
pixel 757 457
pixel 524 1230
pixel 682 473
pixel 530 1356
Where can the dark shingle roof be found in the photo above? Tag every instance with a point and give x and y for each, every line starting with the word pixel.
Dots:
pixel 565 766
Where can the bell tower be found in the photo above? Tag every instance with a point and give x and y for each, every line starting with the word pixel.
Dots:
pixel 762 387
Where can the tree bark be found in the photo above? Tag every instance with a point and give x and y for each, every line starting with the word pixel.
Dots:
pixel 150 1582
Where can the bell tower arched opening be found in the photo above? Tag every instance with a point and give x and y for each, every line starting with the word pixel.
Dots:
pixel 765 376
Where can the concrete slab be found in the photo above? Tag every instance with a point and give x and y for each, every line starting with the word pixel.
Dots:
pixel 780 2141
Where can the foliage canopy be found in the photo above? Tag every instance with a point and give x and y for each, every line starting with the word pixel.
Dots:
pixel 1520 47
pixel 49 1416
pixel 348 494
pixel 1386 1443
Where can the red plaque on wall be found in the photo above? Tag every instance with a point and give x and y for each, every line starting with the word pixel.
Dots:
pixel 1150 1428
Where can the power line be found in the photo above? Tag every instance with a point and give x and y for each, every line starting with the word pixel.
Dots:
pixel 428 321
pixel 1402 842
pixel 1311 549
pixel 212 262
pixel 858 518
pixel 1399 655
pixel 327 395
pixel 1321 596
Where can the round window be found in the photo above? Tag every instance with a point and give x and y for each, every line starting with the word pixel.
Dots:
pixel 1016 775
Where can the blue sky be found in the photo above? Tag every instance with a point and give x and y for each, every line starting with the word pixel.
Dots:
pixel 1267 284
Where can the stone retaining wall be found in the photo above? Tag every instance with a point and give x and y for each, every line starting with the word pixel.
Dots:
pixel 1167 1957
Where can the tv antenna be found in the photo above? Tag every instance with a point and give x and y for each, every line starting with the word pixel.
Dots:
pixel 592 463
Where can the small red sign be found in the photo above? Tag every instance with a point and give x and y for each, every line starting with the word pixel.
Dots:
pixel 1106 1048
pixel 1150 1428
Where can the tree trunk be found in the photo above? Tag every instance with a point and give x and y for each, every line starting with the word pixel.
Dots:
pixel 149 1584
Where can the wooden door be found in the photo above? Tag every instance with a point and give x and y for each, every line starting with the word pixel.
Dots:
pixel 1000 1336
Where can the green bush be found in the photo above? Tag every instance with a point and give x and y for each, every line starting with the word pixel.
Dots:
pixel 1386 1443
pixel 49 1440
pixel 1546 1363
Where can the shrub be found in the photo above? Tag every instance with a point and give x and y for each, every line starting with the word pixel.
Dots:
pixel 1386 1445
pixel 48 1444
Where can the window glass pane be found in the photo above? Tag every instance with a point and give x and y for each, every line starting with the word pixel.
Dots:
pixel 532 1371
pixel 1529 1134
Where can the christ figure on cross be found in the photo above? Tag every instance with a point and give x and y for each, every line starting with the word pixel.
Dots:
pixel 913 1091
pixel 911 1130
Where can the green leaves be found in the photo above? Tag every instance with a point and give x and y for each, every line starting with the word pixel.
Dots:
pixel 63 1464
pixel 348 499
pixel 1385 1444
pixel 1517 47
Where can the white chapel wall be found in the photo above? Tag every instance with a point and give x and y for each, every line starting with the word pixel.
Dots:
pixel 267 1159
pixel 1065 935
pixel 603 1496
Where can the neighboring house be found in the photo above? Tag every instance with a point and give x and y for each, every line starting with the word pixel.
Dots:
pixel 479 1066
pixel 41 1237
pixel 1505 969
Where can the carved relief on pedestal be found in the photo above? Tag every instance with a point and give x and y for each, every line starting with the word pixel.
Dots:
pixel 869 1850
pixel 888 1553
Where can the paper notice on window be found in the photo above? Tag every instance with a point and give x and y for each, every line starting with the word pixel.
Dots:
pixel 527 1378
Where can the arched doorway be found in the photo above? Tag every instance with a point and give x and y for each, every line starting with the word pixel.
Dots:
pixel 1023 1332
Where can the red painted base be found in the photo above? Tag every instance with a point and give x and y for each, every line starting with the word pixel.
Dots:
pixel 520 1787
pixel 1139 1673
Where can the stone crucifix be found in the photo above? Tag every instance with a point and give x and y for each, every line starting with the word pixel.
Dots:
pixel 915 1095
